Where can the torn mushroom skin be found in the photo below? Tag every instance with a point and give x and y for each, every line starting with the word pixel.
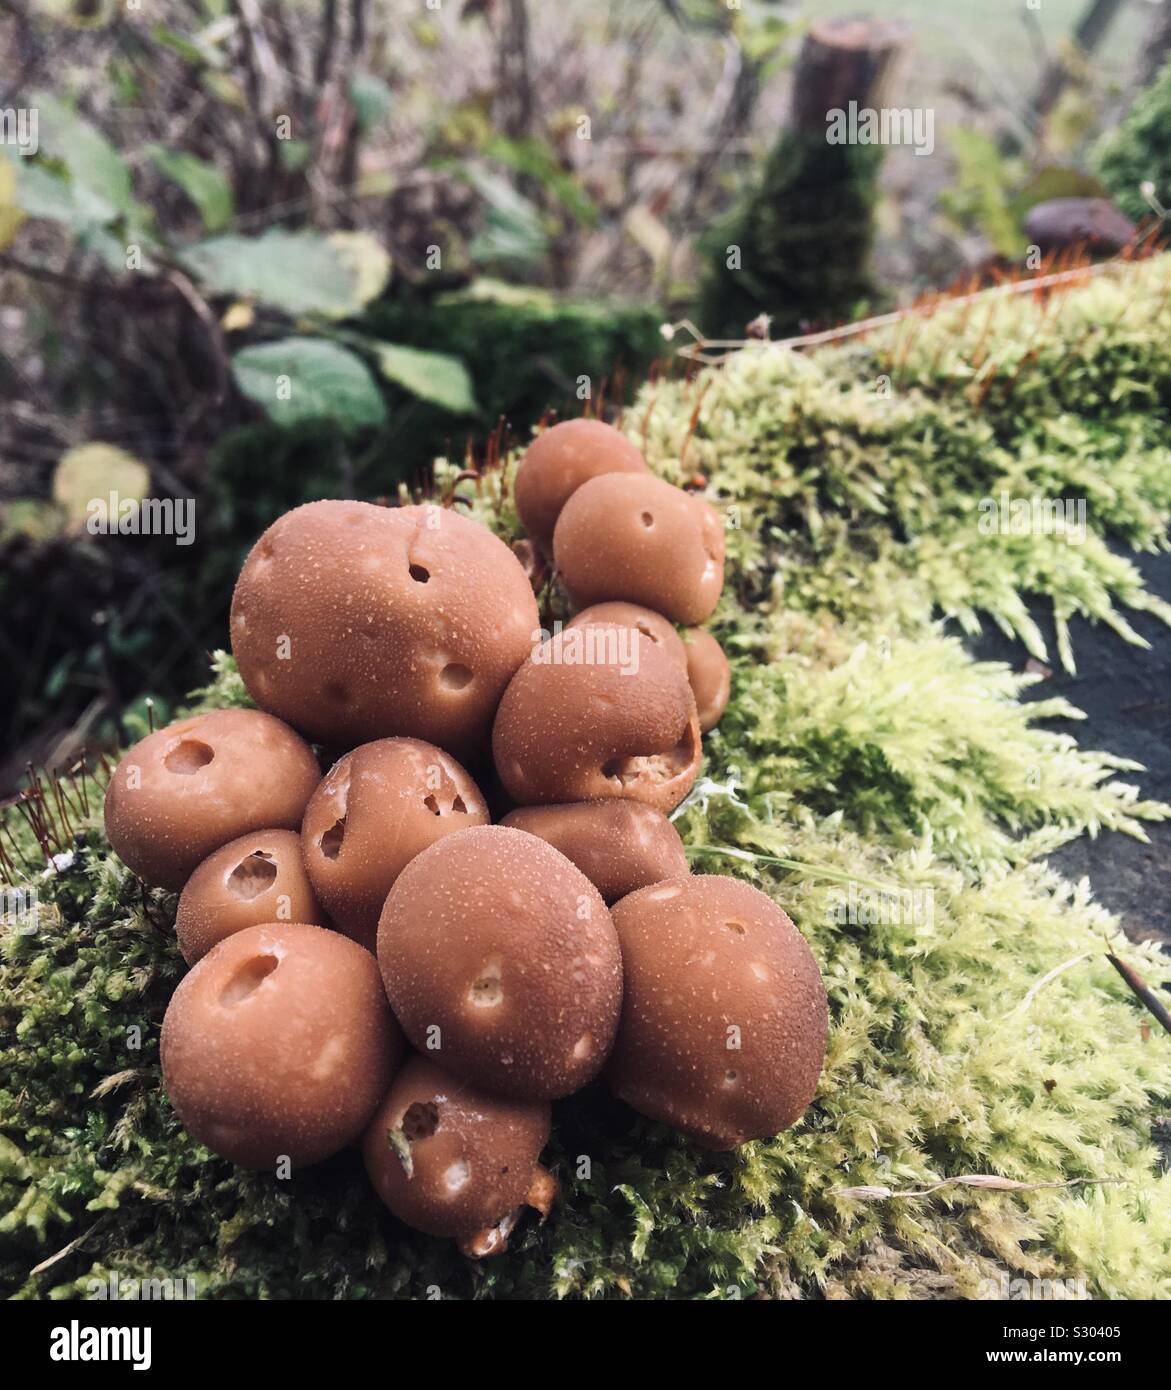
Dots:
pixel 558 462
pixel 258 878
pixel 373 812
pixel 619 845
pixel 184 791
pixel 648 622
pixel 598 711
pixel 499 958
pixel 638 539
pixel 279 1044
pixel 356 622
pixel 709 674
pixel 724 1016
pixel 451 1160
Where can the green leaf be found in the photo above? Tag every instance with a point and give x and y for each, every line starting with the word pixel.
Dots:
pixel 366 259
pixel 98 173
pixel 432 376
pixel 300 379
pixel 372 100
pixel 512 224
pixel 298 272
pixel 202 182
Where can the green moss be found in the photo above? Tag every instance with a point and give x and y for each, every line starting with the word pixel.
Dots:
pixel 862 746
pixel 1139 149
pixel 801 241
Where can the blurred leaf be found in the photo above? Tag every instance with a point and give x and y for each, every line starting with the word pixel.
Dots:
pixel 99 175
pixel 539 160
pixel 372 100
pixel 202 182
pixel 512 226
pixel 432 376
pixel 90 473
pixel 294 154
pixel 299 272
pixel 11 213
pixel 367 260
pixel 30 517
pixel 299 379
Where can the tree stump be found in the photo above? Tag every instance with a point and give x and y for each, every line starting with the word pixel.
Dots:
pixel 844 60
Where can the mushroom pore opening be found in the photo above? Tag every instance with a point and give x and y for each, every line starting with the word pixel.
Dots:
pixel 330 843
pixel 253 875
pixel 247 979
pixel 188 756
pixel 420 1120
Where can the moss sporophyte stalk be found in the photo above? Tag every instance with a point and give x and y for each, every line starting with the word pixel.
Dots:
pixel 862 744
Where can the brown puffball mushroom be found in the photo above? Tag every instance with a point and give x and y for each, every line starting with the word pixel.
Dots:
pixel 598 712
pixel 258 878
pixel 707 670
pixel 640 540
pixel 184 791
pixel 463 1163
pixel 279 1044
pixel 724 1017
pixel 648 622
pixel 373 812
pixel 356 622
pixel 500 961
pixel 619 845
pixel 556 464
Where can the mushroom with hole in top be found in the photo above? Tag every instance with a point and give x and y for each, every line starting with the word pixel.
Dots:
pixel 598 711
pixel 651 624
pixel 279 1044
pixel 724 1019
pixel 501 962
pixel 450 1159
pixel 356 622
pixel 258 878
pixel 184 791
pixel 558 462
pixel 638 539
pixel 374 811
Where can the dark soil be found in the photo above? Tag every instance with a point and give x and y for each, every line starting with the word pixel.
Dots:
pixel 1126 693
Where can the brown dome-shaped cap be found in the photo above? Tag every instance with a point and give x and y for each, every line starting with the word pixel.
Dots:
pixel 279 1044
pixel 186 790
pixel 452 1160
pixel 619 845
pixel 258 878
pixel 374 811
pixel 646 620
pixel 556 464
pixel 598 712
pixel 724 1017
pixel 640 540
pixel 707 670
pixel 501 962
pixel 356 622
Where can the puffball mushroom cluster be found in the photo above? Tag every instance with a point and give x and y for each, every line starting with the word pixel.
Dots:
pixel 371 957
